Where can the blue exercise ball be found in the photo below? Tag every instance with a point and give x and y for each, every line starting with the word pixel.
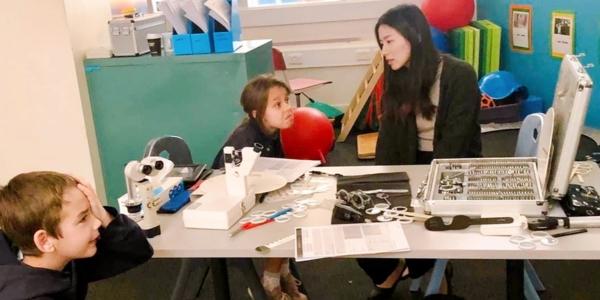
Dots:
pixel 440 40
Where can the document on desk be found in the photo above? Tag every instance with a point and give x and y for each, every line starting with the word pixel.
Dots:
pixel 290 169
pixel 349 239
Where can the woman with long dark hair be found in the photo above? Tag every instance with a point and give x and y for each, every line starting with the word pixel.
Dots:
pixel 430 110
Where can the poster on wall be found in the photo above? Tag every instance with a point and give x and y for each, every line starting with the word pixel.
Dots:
pixel 520 27
pixel 563 33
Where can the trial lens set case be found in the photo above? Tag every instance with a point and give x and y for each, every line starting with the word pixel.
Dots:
pixel 483 186
pixel 128 35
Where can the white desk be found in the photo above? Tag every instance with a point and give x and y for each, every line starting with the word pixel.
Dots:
pixel 177 241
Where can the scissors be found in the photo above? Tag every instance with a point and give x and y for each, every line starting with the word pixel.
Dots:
pixel 268 220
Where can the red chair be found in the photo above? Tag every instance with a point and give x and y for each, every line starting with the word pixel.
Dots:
pixel 297 85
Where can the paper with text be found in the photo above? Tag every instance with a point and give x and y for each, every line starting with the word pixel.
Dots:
pixel 349 239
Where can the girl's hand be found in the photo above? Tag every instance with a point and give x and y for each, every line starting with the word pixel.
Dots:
pixel 95 205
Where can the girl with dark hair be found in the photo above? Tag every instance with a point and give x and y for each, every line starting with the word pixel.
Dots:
pixel 265 101
pixel 430 110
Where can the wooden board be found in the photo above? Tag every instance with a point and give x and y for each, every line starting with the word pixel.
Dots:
pixel 374 72
pixel 365 145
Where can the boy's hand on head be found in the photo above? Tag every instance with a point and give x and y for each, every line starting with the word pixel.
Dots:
pixel 95 205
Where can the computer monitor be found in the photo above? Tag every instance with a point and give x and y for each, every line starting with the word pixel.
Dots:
pixel 571 99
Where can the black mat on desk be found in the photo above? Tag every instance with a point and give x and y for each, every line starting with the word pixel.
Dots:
pixel 398 180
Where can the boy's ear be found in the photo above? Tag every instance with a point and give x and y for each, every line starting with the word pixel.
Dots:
pixel 254 114
pixel 43 241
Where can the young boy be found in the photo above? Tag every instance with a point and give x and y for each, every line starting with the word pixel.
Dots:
pixel 66 237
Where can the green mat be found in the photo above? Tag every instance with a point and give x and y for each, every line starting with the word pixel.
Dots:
pixel 330 111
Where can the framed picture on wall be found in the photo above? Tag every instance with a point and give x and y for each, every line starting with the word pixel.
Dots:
pixel 520 27
pixel 562 33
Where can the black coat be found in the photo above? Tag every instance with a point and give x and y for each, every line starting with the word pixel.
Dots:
pixel 122 246
pixel 457 132
pixel 246 135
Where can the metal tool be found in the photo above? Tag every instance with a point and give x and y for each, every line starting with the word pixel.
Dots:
pixel 571 232
pixel 387 191
pixel 550 223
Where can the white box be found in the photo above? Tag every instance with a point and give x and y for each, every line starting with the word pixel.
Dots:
pixel 128 35
pixel 217 210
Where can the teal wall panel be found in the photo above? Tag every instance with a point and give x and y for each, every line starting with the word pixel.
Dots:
pixel 196 97
pixel 538 70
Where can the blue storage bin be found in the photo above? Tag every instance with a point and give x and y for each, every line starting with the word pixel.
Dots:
pixel 182 44
pixel 221 37
pixel 218 39
pixel 201 43
pixel 196 42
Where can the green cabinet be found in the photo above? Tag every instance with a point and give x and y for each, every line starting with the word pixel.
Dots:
pixel 196 97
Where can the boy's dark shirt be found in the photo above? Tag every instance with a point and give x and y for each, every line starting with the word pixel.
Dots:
pixel 122 246
pixel 246 135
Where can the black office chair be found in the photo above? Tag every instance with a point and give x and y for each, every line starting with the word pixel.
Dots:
pixel 177 149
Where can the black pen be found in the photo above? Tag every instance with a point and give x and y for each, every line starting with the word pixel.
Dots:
pixel 325 173
pixel 565 233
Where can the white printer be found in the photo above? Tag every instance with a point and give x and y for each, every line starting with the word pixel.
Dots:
pixel 128 34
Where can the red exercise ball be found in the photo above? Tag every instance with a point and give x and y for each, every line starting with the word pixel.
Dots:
pixel 310 137
pixel 448 14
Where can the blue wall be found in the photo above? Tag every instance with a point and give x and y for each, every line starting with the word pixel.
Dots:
pixel 538 70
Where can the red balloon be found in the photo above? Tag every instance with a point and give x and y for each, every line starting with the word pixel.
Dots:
pixel 310 137
pixel 448 14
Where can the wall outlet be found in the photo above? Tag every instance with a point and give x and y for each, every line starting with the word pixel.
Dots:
pixel 295 59
pixel 363 54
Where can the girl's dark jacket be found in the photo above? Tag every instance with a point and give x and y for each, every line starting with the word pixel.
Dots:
pixel 457 132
